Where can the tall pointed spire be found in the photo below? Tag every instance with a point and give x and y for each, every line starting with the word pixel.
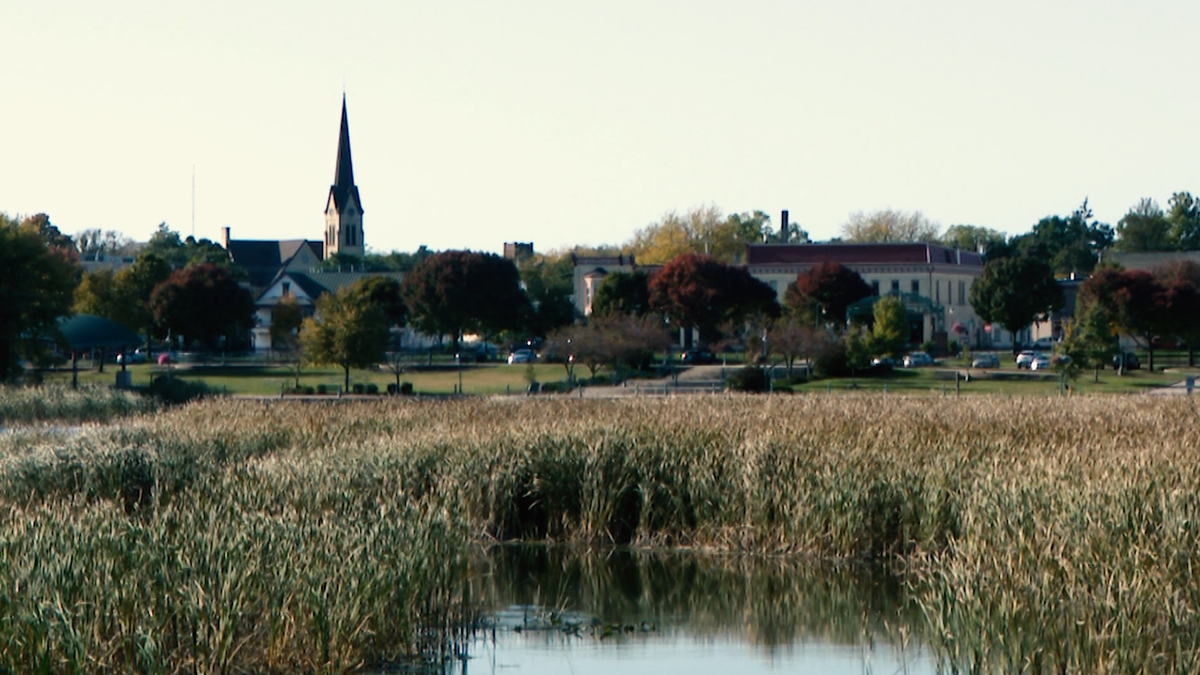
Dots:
pixel 343 177
pixel 343 208
pixel 344 174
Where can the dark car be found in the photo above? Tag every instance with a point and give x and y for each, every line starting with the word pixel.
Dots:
pixel 697 357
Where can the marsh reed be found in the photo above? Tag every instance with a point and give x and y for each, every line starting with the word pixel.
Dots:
pixel 1032 534
pixel 63 405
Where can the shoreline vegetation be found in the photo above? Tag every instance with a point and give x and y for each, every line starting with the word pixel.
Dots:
pixel 1024 534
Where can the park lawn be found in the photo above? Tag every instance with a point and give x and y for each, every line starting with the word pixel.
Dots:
pixel 926 381
pixel 267 380
pixel 500 378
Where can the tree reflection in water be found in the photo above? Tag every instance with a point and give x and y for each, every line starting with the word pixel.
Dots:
pixel 769 603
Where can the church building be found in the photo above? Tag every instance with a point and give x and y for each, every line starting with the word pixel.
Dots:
pixel 282 270
pixel 343 207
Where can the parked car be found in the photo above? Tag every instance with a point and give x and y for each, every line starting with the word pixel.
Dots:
pixel 522 356
pixel 1132 362
pixel 884 361
pixel 917 360
pixel 482 353
pixel 1026 357
pixel 1040 362
pixel 987 360
pixel 697 357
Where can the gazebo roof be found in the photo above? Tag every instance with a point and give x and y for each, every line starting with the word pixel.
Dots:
pixel 88 331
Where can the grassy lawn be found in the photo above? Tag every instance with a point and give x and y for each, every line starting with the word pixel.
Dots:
pixel 485 378
pixel 926 381
pixel 500 378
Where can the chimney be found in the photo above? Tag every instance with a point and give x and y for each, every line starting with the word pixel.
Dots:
pixel 783 227
pixel 226 231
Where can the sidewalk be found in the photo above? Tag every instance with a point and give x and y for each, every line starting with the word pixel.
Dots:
pixel 1177 389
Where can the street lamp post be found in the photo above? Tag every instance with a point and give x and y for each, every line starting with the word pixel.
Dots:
pixel 458 359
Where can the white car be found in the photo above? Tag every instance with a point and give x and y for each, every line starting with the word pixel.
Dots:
pixel 1040 362
pixel 1025 358
pixel 917 360
pixel 522 356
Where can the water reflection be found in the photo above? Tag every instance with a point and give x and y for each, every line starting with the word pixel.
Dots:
pixel 563 610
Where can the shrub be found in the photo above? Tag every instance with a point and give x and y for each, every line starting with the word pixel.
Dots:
pixel 406 389
pixel 833 362
pixel 358 388
pixel 173 390
pixel 372 388
pixel 322 389
pixel 749 378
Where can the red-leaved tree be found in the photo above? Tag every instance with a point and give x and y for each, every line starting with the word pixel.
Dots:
pixel 203 303
pixel 695 291
pixel 829 288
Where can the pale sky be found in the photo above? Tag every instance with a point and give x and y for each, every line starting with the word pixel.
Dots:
pixel 562 123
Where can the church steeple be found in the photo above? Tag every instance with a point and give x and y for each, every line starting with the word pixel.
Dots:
pixel 343 208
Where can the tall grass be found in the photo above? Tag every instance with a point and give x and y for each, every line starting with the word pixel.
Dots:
pixel 62 404
pixel 1035 535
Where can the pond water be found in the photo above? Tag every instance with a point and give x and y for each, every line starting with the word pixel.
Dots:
pixel 555 610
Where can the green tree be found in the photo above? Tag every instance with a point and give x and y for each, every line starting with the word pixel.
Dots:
pixel 623 293
pixel 454 292
pixel 135 286
pixel 549 283
pixel 179 253
pixel 1089 340
pixel 384 293
pixel 348 330
pixel 1069 245
pixel 98 294
pixel 889 330
pixel 55 240
pixel 1144 228
pixel 858 353
pixel 37 284
pixel 973 238
pixel 889 226
pixel 1184 216
pixel 203 303
pixel 1014 292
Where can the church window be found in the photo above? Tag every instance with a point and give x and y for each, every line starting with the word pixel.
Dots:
pixel 287 289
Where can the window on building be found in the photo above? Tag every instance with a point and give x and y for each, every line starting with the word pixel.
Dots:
pixel 875 287
pixel 962 292
pixel 916 287
pixel 937 291
pixel 895 285
pixel 287 289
